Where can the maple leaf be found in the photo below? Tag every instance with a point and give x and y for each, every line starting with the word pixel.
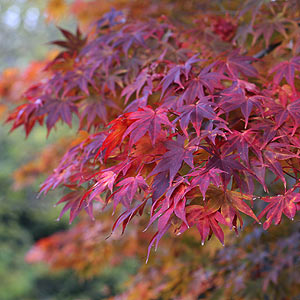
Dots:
pixel 81 78
pixel 26 115
pixel 203 178
pixel 195 113
pixel 233 204
pixel 115 136
pixel 128 215
pixel 139 102
pixel 266 127
pixel 172 160
pixel 104 180
pixel 88 148
pixel 155 240
pixel 100 54
pixel 294 111
pixel 91 113
pixel 128 189
pixel 242 142
pixel 174 74
pixel 235 97
pixel 75 205
pixel 132 35
pixel 227 163
pixel 213 130
pixel 174 202
pixel 146 120
pixel 111 83
pixel 205 79
pixel 73 44
pixel 160 184
pixel 282 114
pixel 282 204
pixel 241 35
pixel 267 29
pixel 96 112
pixel 286 69
pixel 273 154
pixel 58 109
pixel 252 6
pixel 137 85
pixel 205 221
pixel 230 204
pixel 235 64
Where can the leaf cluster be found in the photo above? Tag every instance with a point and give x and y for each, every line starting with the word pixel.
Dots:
pixel 182 121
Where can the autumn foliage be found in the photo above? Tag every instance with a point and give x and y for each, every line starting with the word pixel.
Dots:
pixel 185 119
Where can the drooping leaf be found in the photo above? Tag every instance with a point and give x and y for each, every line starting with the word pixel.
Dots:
pixel 128 189
pixel 278 205
pixel 206 223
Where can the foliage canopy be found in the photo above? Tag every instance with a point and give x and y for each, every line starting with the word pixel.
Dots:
pixel 183 120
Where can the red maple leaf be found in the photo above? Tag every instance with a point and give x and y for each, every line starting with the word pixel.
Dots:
pixel 174 74
pixel 172 160
pixel 282 204
pixel 72 44
pixel 115 136
pixel 205 79
pixel 146 120
pixel 286 69
pixel 233 204
pixel 137 85
pixel 267 29
pixel 284 112
pixel 204 177
pixel 128 188
pixel 75 203
pixel 128 215
pixel 234 64
pixel 26 115
pixel 242 142
pixel 235 97
pixel 207 222
pixel 227 163
pixel 56 109
pixel 195 113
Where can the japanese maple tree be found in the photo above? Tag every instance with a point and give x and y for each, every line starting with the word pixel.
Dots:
pixel 184 118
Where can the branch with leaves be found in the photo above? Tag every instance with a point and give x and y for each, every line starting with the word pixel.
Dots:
pixel 180 121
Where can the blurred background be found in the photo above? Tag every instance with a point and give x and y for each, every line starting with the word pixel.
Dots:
pixel 26 28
